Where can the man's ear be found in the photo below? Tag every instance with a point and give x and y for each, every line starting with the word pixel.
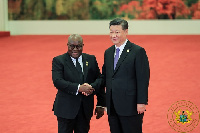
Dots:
pixel 126 31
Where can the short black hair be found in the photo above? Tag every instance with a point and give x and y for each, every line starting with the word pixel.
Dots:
pixel 119 21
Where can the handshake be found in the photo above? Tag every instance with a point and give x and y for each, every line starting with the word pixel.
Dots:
pixel 86 89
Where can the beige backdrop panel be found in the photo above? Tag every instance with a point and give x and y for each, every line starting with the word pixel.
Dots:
pixel 101 27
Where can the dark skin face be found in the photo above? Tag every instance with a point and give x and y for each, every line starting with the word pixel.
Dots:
pixel 75 48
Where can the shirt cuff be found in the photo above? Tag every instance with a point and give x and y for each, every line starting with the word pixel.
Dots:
pixel 100 106
pixel 78 89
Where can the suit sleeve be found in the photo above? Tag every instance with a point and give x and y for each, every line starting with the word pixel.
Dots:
pixel 101 98
pixel 104 71
pixel 142 75
pixel 98 86
pixel 58 78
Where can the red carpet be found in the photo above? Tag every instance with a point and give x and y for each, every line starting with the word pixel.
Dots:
pixel 27 92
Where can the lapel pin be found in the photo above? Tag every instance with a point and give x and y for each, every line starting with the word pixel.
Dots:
pixel 127 50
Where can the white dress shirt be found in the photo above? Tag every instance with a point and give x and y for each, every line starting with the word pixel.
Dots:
pixel 121 48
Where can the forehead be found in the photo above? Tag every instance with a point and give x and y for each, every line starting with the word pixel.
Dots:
pixel 74 42
pixel 115 27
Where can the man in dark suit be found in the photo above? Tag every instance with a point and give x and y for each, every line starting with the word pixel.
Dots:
pixel 126 72
pixel 74 74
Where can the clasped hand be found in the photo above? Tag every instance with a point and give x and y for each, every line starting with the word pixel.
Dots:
pixel 86 89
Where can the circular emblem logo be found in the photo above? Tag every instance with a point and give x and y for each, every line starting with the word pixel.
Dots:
pixel 183 116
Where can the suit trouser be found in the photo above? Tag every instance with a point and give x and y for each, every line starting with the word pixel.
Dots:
pixel 80 124
pixel 124 124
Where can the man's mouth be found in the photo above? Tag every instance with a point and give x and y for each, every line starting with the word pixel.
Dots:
pixel 114 39
pixel 75 53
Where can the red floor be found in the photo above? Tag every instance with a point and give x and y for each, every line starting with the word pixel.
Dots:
pixel 27 92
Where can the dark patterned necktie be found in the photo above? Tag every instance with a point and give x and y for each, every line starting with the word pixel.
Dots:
pixel 79 68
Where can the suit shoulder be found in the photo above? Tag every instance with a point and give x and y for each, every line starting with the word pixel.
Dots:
pixel 89 56
pixel 110 48
pixel 136 46
pixel 62 56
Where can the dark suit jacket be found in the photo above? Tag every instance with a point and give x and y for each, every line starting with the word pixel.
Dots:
pixel 129 82
pixel 66 79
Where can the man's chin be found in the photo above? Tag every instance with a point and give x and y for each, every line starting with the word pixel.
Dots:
pixel 75 55
pixel 115 42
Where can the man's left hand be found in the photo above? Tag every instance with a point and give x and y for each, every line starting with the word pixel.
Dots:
pixel 99 111
pixel 141 108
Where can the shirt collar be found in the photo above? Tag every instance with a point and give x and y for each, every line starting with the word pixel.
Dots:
pixel 122 46
pixel 79 58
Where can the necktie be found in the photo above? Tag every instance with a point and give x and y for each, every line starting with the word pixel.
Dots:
pixel 116 57
pixel 79 68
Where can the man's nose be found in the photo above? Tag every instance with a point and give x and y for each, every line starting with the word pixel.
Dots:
pixel 113 35
pixel 75 48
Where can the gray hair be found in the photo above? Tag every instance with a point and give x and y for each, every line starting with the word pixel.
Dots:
pixel 75 37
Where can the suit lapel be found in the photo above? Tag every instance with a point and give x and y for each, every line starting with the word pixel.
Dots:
pixel 85 65
pixel 124 54
pixel 71 65
pixel 111 58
